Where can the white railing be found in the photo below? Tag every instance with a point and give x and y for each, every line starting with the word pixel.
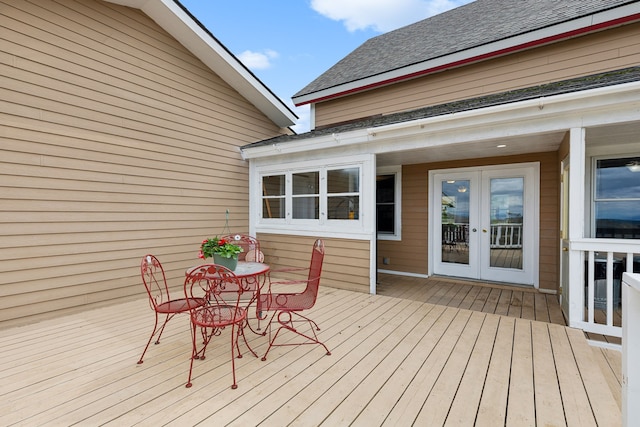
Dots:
pixel 630 349
pixel 506 236
pixel 595 276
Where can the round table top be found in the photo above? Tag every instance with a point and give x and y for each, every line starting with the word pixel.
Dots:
pixel 244 269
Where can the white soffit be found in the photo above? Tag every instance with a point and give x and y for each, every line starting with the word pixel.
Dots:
pixel 175 21
pixel 501 47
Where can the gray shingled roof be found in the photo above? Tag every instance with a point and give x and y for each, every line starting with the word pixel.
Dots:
pixel 474 24
pixel 593 81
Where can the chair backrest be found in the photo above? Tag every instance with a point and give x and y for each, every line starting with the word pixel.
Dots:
pixel 310 294
pixel 154 280
pixel 249 244
pixel 216 283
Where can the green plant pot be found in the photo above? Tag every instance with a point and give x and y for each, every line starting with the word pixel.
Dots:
pixel 230 263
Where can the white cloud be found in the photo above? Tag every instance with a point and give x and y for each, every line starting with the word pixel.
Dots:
pixel 258 60
pixel 381 15
pixel 304 122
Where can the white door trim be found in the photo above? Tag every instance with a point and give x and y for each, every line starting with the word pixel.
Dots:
pixel 531 171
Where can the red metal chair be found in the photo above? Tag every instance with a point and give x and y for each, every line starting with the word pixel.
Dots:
pixel 286 307
pixel 160 300
pixel 223 291
pixel 250 247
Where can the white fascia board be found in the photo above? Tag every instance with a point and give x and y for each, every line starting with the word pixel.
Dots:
pixel 580 102
pixel 323 142
pixel 465 57
pixel 185 30
pixel 592 107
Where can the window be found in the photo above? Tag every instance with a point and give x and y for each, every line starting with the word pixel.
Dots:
pixel 616 207
pixel 321 194
pixel 388 203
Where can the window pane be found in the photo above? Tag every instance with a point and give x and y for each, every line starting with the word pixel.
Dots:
pixel 385 203
pixel 616 180
pixel 306 207
pixel 344 207
pixel 386 219
pixel 618 219
pixel 273 185
pixel 385 188
pixel 306 183
pixel 273 208
pixel 343 181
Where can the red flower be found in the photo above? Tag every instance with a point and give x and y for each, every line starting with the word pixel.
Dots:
pixel 201 255
pixel 222 242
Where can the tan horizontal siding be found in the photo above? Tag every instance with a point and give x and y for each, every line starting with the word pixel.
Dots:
pixel 115 141
pixel 346 262
pixel 411 254
pixel 607 50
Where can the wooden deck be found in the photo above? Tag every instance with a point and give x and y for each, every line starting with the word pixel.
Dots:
pixel 513 301
pixel 395 361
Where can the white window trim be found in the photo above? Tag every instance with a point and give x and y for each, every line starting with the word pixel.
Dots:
pixel 397 171
pixel 592 168
pixel 362 228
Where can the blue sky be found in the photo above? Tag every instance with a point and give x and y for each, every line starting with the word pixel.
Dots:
pixel 288 43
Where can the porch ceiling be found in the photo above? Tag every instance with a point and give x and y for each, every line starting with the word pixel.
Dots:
pixel 617 134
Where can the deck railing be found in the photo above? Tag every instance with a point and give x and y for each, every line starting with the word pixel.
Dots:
pixel 595 283
pixel 506 236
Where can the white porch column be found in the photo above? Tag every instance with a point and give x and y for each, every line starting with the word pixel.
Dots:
pixel 576 222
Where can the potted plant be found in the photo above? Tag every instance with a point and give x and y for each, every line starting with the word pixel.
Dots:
pixel 223 252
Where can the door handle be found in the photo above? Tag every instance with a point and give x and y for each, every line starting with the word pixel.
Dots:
pixel 484 230
pixel 474 230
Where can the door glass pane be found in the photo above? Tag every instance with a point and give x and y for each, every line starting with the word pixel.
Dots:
pixel 455 221
pixel 507 202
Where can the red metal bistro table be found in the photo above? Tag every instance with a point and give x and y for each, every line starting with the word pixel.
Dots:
pixel 252 276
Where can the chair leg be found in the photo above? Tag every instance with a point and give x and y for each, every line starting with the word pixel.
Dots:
pixel 285 319
pixel 193 353
pixel 246 343
pixel 155 327
pixel 166 320
pixel 234 343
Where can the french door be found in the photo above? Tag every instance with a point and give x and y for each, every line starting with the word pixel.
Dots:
pixel 484 223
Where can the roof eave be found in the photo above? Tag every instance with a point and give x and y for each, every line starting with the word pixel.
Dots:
pixel 177 22
pixel 596 101
pixel 587 24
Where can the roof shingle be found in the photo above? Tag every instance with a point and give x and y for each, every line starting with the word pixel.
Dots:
pixel 474 24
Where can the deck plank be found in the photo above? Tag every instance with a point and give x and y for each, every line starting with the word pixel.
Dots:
pixel 467 399
pixel 377 377
pixel 547 396
pixel 435 408
pixel 574 397
pixel 492 410
pixel 410 403
pixel 521 407
pixel 384 401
